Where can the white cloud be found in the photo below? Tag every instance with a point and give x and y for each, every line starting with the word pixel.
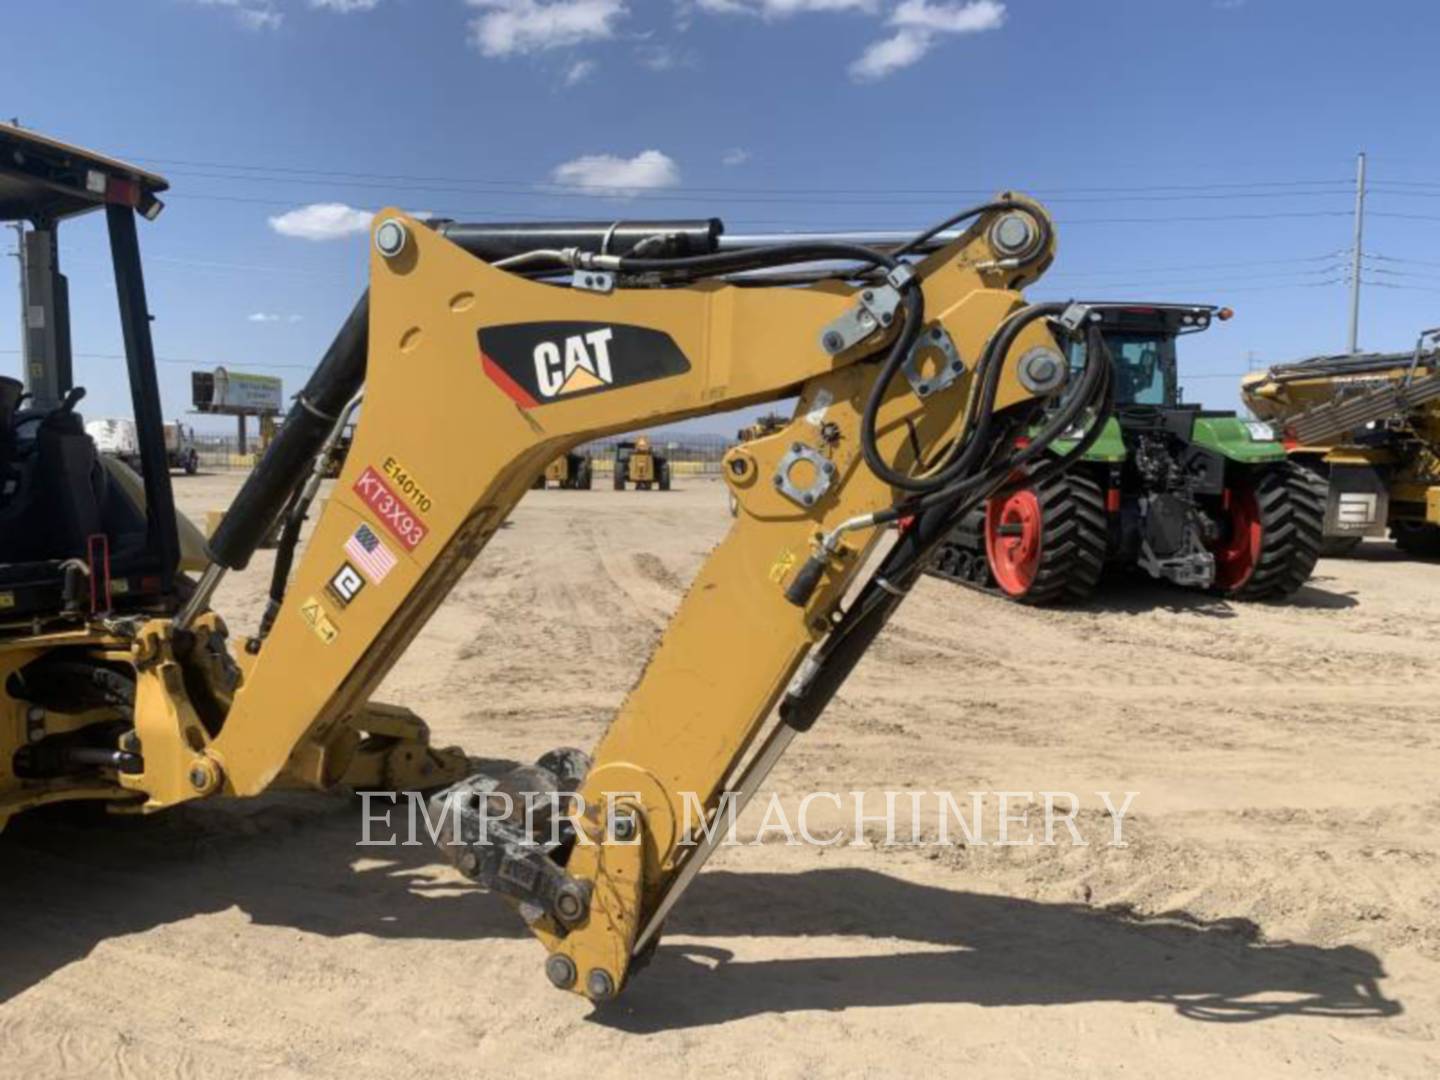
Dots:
pixel 662 57
pixel 973 17
pixel 345 7
pixel 321 221
pixel 508 27
pixel 579 71
pixel 919 25
pixel 264 316
pixel 607 174
pixel 251 14
pixel 780 9
pixel 735 156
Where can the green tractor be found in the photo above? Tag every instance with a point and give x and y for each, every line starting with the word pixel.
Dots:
pixel 1203 499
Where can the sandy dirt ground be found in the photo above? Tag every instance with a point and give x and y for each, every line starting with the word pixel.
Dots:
pixel 1275 913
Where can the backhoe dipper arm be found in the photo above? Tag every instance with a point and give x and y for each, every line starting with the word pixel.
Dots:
pixel 476 378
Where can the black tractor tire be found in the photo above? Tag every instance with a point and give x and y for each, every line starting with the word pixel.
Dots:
pixel 1289 505
pixel 1422 541
pixel 622 467
pixel 584 478
pixel 1339 547
pixel 1073 538
pixel 192 463
pixel 662 475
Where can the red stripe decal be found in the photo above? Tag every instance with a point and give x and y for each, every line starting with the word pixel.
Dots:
pixel 512 389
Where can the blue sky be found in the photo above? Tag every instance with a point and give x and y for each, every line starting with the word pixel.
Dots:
pixel 1192 150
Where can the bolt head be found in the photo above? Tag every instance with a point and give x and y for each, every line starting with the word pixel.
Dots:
pixel 599 986
pixel 833 342
pixel 570 904
pixel 623 827
pixel 1012 234
pixel 199 778
pixel 391 237
pixel 560 970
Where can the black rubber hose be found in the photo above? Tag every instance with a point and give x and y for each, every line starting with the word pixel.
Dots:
pixel 287 462
pixel 878 601
pixel 921 238
pixel 729 262
pixel 962 456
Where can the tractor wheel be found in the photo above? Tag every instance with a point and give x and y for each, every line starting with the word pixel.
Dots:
pixel 1046 544
pixel 621 468
pixel 662 475
pixel 1422 541
pixel 192 463
pixel 1338 547
pixel 583 477
pixel 1272 535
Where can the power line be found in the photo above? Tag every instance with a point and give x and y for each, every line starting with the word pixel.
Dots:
pixel 181 360
pixel 1210 218
pixel 406 179
pixel 891 197
pixel 1327 257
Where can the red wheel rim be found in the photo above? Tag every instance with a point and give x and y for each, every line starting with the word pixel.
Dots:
pixel 1239 550
pixel 1012 539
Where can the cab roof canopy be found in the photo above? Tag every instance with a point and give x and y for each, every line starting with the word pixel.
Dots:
pixel 44 180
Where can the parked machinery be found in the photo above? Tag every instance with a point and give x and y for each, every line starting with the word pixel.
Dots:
pixel 1370 425
pixel 637 463
pixel 117 438
pixel 569 470
pixel 1188 495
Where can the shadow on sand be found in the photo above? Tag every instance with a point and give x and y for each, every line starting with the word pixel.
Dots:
pixel 1131 594
pixel 290 861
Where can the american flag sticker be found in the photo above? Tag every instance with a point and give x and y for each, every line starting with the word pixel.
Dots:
pixel 370 554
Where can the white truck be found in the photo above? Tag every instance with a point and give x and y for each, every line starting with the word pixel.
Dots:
pixel 116 437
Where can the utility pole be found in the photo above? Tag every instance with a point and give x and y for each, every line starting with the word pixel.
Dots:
pixel 19 254
pixel 1355 269
pixel 19 227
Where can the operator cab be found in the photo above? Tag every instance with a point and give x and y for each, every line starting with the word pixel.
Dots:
pixel 77 537
pixel 1142 350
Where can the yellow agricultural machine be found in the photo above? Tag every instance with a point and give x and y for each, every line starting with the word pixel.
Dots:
pixel 1370 423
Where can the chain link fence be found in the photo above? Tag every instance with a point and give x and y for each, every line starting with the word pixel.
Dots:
pixel 689 454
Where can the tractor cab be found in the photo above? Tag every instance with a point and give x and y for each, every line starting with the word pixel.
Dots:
pixel 78 536
pixel 1141 340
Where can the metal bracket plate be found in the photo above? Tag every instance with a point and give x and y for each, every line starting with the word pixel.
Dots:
pixel 601 281
pixel 874 310
pixel 822 466
pixel 951 365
